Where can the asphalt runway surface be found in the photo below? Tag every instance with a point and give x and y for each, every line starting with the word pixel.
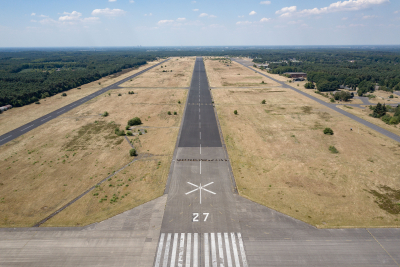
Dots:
pixel 201 221
pixel 7 137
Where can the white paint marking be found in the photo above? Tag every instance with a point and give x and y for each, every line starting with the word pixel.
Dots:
pixel 206 251
pixel 195 250
pixel 46 118
pixel 5 138
pixel 220 250
pixel 200 135
pixel 27 127
pixel 159 250
pixel 181 250
pixel 60 111
pixel 206 216
pixel 173 256
pixel 235 251
pixel 228 250
pixel 195 217
pixel 188 249
pixel 200 188
pixel 200 160
pixel 213 251
pixel 242 252
pixel 166 252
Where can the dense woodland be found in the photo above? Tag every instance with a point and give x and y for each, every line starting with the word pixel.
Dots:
pixel 26 76
pixel 330 68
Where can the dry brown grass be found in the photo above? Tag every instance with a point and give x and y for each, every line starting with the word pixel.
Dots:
pixel 17 117
pixel 280 158
pixel 222 74
pixel 181 75
pixel 51 165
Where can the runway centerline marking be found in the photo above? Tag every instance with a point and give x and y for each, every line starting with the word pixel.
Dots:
pixel 5 138
pixel 200 187
pixel 27 127
pixel 46 118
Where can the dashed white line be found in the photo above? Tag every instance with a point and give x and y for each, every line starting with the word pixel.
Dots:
pixel 27 127
pixel 60 111
pixel 200 173
pixel 46 118
pixel 5 138
pixel 200 149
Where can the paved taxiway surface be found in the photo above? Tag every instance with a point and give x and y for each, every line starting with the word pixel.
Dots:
pixel 177 230
pixel 11 135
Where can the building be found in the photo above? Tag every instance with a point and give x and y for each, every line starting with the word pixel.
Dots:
pixel 297 76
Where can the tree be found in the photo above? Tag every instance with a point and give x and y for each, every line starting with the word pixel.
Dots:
pixel 105 114
pixel 365 87
pixel 132 152
pixel 235 112
pixel 134 121
pixel 263 102
pixel 309 85
pixel 328 131
pixel 64 94
pixel 342 95
pixel 379 111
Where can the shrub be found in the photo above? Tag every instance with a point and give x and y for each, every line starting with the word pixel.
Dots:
pixel 105 114
pixel 332 100
pixel 119 94
pixel 179 102
pixel 386 118
pixel 78 88
pixel 119 132
pixel 328 131
pixel 262 82
pixel 129 133
pixel 134 121
pixel 333 149
pixel 391 96
pixel 175 113
pixel 37 102
pixel 64 94
pixel 394 120
pixel 132 152
pixel 131 92
pixel 263 102
pixel 140 133
pixel 235 112
pixel 169 112
pixel 309 85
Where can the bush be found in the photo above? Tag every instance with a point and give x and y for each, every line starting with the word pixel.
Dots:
pixel 140 133
pixel 179 102
pixel 119 94
pixel 132 152
pixel 131 92
pixel 262 82
pixel 235 112
pixel 37 102
pixel 175 113
pixel 105 114
pixel 119 132
pixel 328 131
pixel 342 95
pixel 333 149
pixel 169 112
pixel 391 96
pixel 78 88
pixel 64 94
pixel 263 102
pixel 129 133
pixel 394 120
pixel 379 110
pixel 134 121
pixel 309 85
pixel 386 118
pixel 332 100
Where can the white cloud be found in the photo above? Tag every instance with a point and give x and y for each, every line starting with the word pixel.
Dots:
pixel 165 21
pixel 43 16
pixel 108 12
pixel 356 25
pixel 295 22
pixel 131 1
pixel 252 13
pixel 73 16
pixel 286 10
pixel 180 19
pixel 33 14
pixel 242 16
pixel 265 2
pixel 203 15
pixel 48 21
pixel 369 17
pixel 150 14
pixel 350 5
pixel 396 12
pixel 195 10
pixel 243 22
pixel 212 16
pixel 112 0
pixel 265 19
pixel 193 2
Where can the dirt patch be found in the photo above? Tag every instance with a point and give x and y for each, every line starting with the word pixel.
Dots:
pixel 281 159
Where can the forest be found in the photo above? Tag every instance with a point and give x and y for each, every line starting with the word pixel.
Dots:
pixel 330 68
pixel 28 75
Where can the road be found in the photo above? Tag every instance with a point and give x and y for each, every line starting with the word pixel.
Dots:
pixel 374 127
pixel 7 137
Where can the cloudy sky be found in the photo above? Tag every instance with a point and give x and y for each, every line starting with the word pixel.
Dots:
pixel 65 23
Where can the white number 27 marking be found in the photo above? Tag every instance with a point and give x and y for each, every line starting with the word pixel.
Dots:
pixel 206 216
pixel 196 216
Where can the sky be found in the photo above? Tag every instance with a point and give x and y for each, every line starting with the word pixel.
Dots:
pixel 121 23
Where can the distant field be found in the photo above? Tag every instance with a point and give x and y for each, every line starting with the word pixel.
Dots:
pixel 281 159
pixel 51 165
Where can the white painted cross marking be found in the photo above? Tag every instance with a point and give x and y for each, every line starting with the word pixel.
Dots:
pixel 200 187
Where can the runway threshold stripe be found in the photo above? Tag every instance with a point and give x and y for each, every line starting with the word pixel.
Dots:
pixel 160 247
pixel 218 248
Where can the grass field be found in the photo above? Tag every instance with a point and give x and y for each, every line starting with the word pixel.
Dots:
pixel 177 72
pixel 281 159
pixel 17 117
pixel 54 163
